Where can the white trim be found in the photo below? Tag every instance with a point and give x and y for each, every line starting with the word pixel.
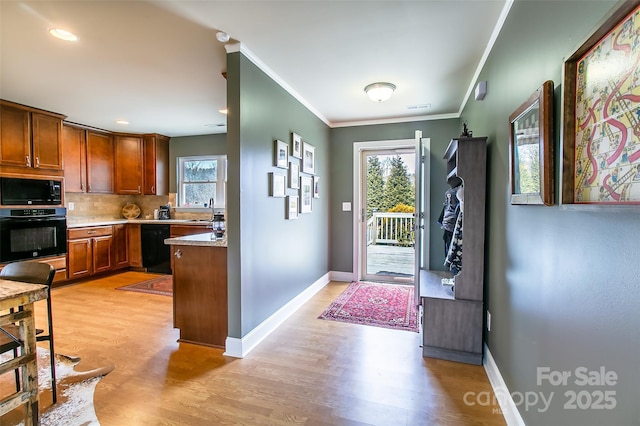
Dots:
pixel 394 120
pixel 342 276
pixel 358 147
pixel 239 348
pixel 494 36
pixel 507 405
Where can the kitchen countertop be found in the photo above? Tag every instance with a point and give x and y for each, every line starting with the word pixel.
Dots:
pixel 203 240
pixel 82 222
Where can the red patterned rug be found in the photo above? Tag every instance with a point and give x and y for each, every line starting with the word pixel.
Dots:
pixel 376 304
pixel 162 285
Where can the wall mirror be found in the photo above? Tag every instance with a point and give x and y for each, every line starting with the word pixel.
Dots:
pixel 531 149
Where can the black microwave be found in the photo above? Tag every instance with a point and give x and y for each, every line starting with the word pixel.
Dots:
pixel 26 192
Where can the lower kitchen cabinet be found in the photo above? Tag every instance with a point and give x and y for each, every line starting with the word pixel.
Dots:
pixel 120 246
pixel 90 251
pixel 135 245
pixel 200 294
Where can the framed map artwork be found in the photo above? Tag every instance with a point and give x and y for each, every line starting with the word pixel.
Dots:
pixel 601 118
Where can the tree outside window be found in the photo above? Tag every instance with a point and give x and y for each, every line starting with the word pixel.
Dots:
pixel 202 179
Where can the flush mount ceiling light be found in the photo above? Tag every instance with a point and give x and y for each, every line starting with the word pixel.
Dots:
pixel 380 92
pixel 224 111
pixel 63 34
pixel 222 36
pixel 122 122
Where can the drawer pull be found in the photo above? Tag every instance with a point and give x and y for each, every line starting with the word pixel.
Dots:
pixel 178 253
pixel 91 232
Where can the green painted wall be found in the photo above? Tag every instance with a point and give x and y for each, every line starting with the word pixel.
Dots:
pixel 193 145
pixel 271 260
pixel 342 139
pixel 562 285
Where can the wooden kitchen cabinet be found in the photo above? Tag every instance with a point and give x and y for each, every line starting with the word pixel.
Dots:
pixel 135 245
pixel 100 162
pixel 120 246
pixel 74 147
pixel 89 160
pixel 89 251
pixel 128 164
pixel 200 294
pixel 184 230
pixel 80 260
pixel 156 164
pixel 30 138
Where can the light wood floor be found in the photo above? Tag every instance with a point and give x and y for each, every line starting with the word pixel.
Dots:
pixel 309 371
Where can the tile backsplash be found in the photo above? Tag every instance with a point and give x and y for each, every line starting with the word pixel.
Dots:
pixel 109 206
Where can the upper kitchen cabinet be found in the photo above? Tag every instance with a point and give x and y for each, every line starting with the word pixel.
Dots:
pixel 89 160
pixel 156 165
pixel 74 146
pixel 100 162
pixel 30 139
pixel 128 164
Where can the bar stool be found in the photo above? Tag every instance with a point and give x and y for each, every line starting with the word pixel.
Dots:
pixel 35 273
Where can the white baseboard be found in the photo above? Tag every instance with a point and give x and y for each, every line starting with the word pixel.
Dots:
pixel 239 348
pixel 507 405
pixel 341 276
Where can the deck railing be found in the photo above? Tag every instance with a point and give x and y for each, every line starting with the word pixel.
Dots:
pixel 391 228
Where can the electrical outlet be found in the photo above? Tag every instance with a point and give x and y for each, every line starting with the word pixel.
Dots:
pixel 488 320
pixel 71 206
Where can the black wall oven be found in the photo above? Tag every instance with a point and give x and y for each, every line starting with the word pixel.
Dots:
pixel 32 232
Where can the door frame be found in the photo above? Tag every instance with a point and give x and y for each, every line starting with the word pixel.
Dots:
pixel 358 209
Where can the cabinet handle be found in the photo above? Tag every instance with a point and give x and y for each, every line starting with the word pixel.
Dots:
pixel 82 186
pixel 138 189
pixel 28 161
pixel 89 186
pixel 178 253
pixel 153 188
pixel 37 161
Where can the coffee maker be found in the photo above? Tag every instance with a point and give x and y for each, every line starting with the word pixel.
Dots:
pixel 163 213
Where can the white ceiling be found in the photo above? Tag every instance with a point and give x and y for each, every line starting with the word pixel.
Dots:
pixel 158 65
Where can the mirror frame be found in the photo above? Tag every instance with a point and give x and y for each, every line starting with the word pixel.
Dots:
pixel 544 98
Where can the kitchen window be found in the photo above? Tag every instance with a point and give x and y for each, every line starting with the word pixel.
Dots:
pixel 202 179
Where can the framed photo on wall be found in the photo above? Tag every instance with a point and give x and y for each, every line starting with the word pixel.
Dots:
pixel 277 185
pixel 292 207
pixel 296 145
pixel 308 158
pixel 601 124
pixel 294 175
pixel 281 154
pixel 316 187
pixel 306 193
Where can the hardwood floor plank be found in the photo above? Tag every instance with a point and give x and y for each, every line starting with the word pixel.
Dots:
pixel 307 372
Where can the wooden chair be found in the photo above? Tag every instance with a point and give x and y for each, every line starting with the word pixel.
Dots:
pixel 34 273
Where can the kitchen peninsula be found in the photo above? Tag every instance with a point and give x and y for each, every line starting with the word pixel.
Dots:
pixel 199 267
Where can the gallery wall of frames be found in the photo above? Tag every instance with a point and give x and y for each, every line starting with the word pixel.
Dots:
pixel 294 177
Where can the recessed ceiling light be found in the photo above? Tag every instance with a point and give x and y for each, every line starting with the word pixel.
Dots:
pixel 224 111
pixel 63 34
pixel 123 122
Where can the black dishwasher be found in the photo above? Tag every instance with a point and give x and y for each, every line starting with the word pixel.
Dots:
pixel 156 255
